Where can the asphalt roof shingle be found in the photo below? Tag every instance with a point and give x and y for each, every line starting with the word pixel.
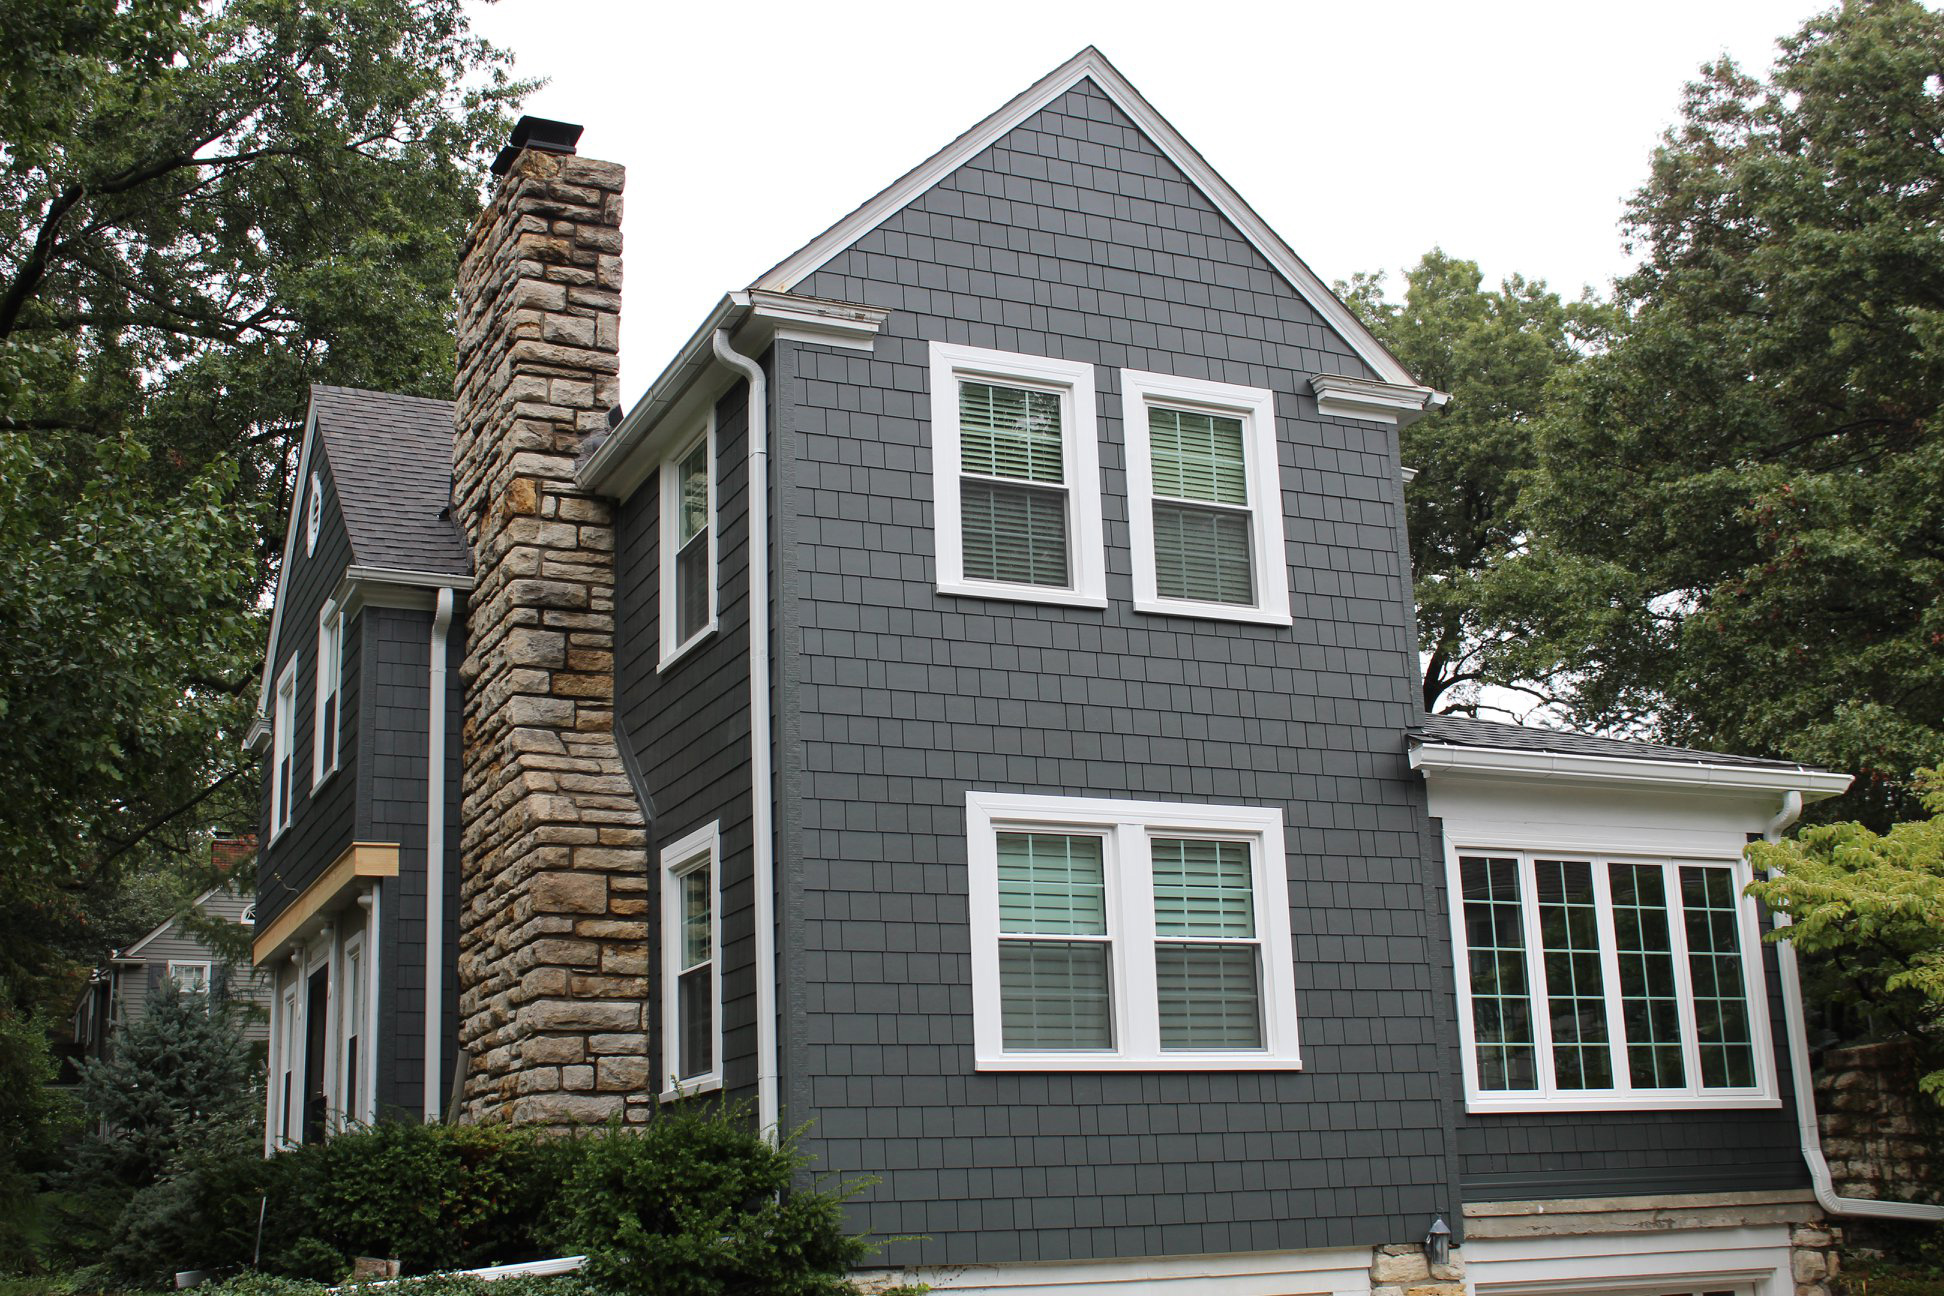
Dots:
pixel 1461 731
pixel 392 458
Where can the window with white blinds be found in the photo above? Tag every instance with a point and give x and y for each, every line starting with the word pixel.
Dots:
pixel 1016 477
pixel 1128 935
pixel 688 544
pixel 1608 983
pixel 691 964
pixel 1205 514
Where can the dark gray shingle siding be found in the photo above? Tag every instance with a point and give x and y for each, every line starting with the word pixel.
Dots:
pixel 1074 238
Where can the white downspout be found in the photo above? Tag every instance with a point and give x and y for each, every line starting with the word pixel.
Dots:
pixel 1805 1090
pixel 760 805
pixel 435 830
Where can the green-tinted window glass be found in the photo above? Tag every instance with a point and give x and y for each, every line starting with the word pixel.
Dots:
pixel 1203 888
pixel 692 491
pixel 1055 995
pixel 692 543
pixel 1010 432
pixel 1198 456
pixel 1502 1024
pixel 697 907
pixel 1016 534
pixel 1650 1005
pixel 1051 884
pixel 1210 995
pixel 1569 933
pixel 1721 1022
pixel 1203 536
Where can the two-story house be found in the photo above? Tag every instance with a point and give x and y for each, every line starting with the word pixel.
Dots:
pixel 967 706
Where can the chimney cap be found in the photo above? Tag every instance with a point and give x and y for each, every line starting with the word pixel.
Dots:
pixel 541 133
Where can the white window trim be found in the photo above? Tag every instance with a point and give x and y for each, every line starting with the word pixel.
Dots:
pixel 672 650
pixel 1256 407
pixel 283 744
pixel 1126 825
pixel 1549 1097
pixel 1073 382
pixel 699 849
pixel 208 983
pixel 330 671
pixel 344 987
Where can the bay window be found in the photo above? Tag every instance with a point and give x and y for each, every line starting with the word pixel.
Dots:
pixel 1603 983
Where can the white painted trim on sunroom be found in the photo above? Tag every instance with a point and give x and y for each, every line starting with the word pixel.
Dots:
pixel 1340 1271
pixel 1437 757
pixel 1074 382
pixel 1755 1259
pixel 1091 63
pixel 1256 407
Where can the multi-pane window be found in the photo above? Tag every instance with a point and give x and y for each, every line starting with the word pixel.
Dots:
pixel 1624 980
pixel 351 1021
pixel 190 978
pixel 688 540
pixel 1205 510
pixel 1016 478
pixel 330 669
pixel 691 963
pixel 1129 934
pixel 283 750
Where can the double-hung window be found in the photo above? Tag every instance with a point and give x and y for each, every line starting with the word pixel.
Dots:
pixel 688 544
pixel 1205 508
pixel 1128 935
pixel 283 750
pixel 1609 983
pixel 190 978
pixel 330 669
pixel 1016 477
pixel 692 963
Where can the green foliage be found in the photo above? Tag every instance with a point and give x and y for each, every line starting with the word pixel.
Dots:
pixel 33 1119
pixel 181 1080
pixel 1494 352
pixel 1741 495
pixel 695 1205
pixel 1873 905
pixel 689 1203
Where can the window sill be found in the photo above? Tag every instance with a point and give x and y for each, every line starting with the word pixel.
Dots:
pixel 1477 1106
pixel 672 657
pixel 1021 593
pixel 1165 1062
pixel 691 1089
pixel 1213 611
pixel 329 774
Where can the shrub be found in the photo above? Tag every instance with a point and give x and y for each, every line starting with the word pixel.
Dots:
pixel 696 1204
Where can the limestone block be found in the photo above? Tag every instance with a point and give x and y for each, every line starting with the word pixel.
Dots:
pixel 580 1015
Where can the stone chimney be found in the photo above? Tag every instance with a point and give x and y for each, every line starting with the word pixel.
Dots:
pixel 553 948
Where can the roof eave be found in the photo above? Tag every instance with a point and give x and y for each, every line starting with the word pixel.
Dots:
pixel 1436 758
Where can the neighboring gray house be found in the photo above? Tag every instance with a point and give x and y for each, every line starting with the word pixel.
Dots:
pixel 118 991
pixel 1056 832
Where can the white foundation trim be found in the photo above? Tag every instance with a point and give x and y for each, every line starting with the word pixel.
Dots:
pixel 1337 1272
pixel 1752 1259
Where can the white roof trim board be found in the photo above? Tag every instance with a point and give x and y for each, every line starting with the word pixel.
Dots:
pixel 164 925
pixel 1091 63
pixel 283 570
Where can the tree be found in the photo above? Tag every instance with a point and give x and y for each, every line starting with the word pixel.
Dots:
pixel 204 207
pixel 1741 497
pixel 34 1118
pixel 1872 907
pixel 1494 352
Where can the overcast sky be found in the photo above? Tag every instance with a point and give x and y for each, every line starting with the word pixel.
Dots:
pixel 1365 133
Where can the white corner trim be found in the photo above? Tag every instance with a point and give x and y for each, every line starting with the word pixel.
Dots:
pixel 1256 407
pixel 1440 758
pixel 1379 402
pixel 1090 63
pixel 1125 827
pixel 1073 382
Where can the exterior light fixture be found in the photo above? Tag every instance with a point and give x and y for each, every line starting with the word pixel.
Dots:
pixel 1437 1243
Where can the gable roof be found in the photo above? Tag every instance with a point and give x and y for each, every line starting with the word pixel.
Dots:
pixel 1462 731
pixel 391 457
pixel 391 460
pixel 165 925
pixel 1091 64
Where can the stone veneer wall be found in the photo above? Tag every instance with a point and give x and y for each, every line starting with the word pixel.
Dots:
pixel 1882 1138
pixel 553 949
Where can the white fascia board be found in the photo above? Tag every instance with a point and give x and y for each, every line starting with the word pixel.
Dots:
pixel 756 317
pixel 1091 63
pixel 283 575
pixel 1400 404
pixel 1442 759
pixel 393 587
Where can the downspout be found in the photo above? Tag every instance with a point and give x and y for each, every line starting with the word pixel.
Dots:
pixel 1805 1090
pixel 761 808
pixel 435 833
